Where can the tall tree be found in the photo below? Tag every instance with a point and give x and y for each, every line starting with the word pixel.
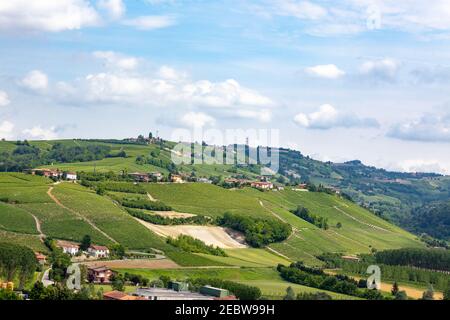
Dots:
pixel 394 289
pixel 86 242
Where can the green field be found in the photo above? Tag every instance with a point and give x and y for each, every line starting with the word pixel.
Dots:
pixel 267 279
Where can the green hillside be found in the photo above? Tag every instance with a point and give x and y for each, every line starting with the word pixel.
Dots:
pixel 33 207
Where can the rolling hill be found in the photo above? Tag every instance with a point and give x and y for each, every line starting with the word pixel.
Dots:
pixel 34 207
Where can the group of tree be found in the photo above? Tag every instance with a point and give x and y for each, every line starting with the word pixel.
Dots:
pixel 154 160
pixel 312 277
pixel 290 295
pixel 165 221
pixel 241 291
pixel 17 262
pixel 434 259
pixel 139 203
pixel 26 156
pixel 60 292
pixel 316 220
pixel 115 186
pixel 258 232
pixel 190 244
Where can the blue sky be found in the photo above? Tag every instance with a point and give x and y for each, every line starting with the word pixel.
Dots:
pixel 341 80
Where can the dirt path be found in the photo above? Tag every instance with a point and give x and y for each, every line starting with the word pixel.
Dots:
pixel 151 198
pixel 362 222
pixel 278 253
pixel 49 193
pixel 38 228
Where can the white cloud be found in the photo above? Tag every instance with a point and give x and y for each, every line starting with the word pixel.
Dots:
pixel 35 80
pixel 331 18
pixel 150 22
pixel 4 99
pixel 166 87
pixel 421 165
pixel 115 8
pixel 117 60
pixel 169 73
pixel 197 120
pixel 383 69
pixel 328 71
pixel 47 15
pixel 264 115
pixel 40 133
pixel 428 128
pixel 327 117
pixel 6 129
pixel 299 9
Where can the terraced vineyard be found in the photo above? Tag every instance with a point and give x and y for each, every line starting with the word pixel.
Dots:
pixel 33 207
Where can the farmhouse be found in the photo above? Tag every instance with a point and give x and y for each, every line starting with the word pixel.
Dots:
pixel 68 247
pixel 262 185
pixel 156 176
pixel 175 178
pixel 71 176
pixel 47 173
pixel 140 177
pixel 98 251
pixel 99 274
pixel 120 296
pixel 42 259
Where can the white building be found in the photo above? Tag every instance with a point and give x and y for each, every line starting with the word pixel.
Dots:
pixel 72 176
pixel 98 251
pixel 68 247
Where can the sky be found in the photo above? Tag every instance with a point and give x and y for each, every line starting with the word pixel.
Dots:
pixel 340 80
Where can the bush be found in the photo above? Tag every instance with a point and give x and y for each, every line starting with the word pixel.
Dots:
pixel 164 221
pixel 190 244
pixel 303 213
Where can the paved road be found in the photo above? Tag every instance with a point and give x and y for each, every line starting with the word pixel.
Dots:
pixel 45 279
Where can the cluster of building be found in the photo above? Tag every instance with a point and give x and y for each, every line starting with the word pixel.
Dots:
pixel 72 249
pixel 146 177
pixel 54 173
pixel 176 291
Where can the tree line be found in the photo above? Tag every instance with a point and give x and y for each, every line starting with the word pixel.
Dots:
pixel 26 156
pixel 189 244
pixel 316 220
pixel 300 274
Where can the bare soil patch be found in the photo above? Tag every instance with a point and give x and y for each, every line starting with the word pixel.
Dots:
pixel 135 264
pixel 215 236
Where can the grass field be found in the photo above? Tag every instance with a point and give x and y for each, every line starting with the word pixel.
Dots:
pixel 206 199
pixel 251 258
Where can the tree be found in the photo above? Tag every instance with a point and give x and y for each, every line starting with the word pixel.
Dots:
pixel 117 251
pixel 37 292
pixel 290 294
pixel 447 293
pixel 86 242
pixel 338 225
pixel 429 294
pixel 118 283
pixel 394 289
pixel 401 295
